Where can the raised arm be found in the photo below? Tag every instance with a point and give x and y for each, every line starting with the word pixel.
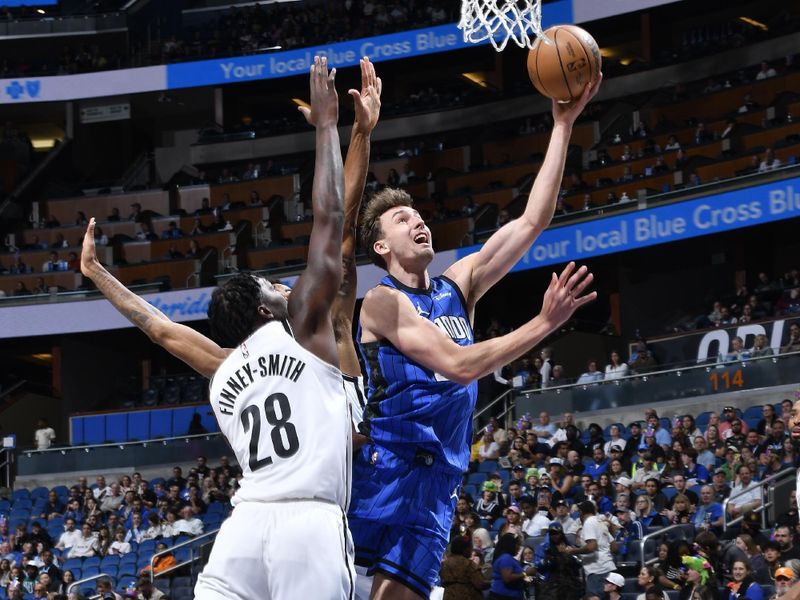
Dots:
pixel 388 314
pixel 313 294
pixel 367 107
pixel 193 348
pixel 478 272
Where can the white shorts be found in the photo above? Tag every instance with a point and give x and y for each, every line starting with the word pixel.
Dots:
pixel 280 551
pixel 354 390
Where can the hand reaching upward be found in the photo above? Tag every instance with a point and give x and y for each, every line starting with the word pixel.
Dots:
pixel 368 100
pixel 324 110
pixel 563 295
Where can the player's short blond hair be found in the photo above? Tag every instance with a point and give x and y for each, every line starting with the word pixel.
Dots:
pixel 371 230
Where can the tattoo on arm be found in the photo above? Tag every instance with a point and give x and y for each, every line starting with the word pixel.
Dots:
pixel 135 309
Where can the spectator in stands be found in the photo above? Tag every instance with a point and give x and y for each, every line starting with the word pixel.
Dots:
pixel 615 439
pixel 53 264
pixel 172 232
pixel 508 575
pixel 765 72
pixel 648 580
pixel 113 500
pixel 114 216
pixel 85 545
pixel 136 213
pixel 793 343
pixel 561 433
pixel 702 135
pixel 663 437
pixel 136 529
pixel 188 524
pixel 595 551
pixel 641 359
pixel 785 540
pixel 147 591
pixel 44 434
pixel 70 535
pixel 748 104
pixel 545 429
pixel 461 577
pixel 737 350
pixel 770 162
pixel 645 469
pixel 745 495
pixel 106 591
pixel 699 576
pixel 592 375
pixel 743 584
pixel 672 144
pixel 482 544
pixel 616 369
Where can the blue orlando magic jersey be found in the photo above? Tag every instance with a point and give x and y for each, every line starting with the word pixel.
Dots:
pixel 410 407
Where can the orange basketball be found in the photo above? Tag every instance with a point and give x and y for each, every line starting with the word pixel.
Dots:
pixel 561 69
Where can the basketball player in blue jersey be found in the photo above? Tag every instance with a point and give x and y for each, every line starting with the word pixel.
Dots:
pixel 416 340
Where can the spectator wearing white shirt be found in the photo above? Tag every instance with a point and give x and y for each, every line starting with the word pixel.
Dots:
pixel 546 368
pixel 595 549
pixel 188 524
pixel 70 535
pixel 561 433
pixel 488 449
pixel 766 72
pixel 616 369
pixel 44 435
pixel 85 545
pixel 119 546
pixel 545 429
pixel 101 490
pixel 745 495
pixel 113 500
pixel 770 162
pixel 615 440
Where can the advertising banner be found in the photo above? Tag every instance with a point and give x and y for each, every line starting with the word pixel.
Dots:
pixel 710 214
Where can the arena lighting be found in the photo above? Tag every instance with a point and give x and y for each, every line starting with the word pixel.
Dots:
pixel 476 78
pixel 754 23
pixel 40 11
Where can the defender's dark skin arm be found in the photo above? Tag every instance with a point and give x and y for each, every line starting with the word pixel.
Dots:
pixel 312 296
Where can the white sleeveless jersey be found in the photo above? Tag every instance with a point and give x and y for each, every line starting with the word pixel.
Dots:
pixel 286 417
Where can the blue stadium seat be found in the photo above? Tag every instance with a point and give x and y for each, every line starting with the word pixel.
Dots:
pixel 110 570
pixel 109 561
pixel 125 583
pixel 61 490
pixel 5 505
pixel 56 521
pixel 631 585
pixel 72 564
pixel 182 593
pixel 498 523
pixel 12 523
pixel 55 531
pixel 669 492
pixel 701 420
pixel 216 508
pixel 752 422
pixel 39 492
pixel 471 490
pixel 182 581
pixel 183 554
pixel 19 494
pixel 477 479
pixel 147 548
pixel 753 411
pixel 22 504
pixel 92 561
pixel 488 466
pixel 78 573
pixel 162 584
pixel 534 541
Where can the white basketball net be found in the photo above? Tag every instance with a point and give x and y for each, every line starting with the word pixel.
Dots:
pixel 502 20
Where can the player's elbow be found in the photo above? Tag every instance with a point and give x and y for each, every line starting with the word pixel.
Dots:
pixel 460 372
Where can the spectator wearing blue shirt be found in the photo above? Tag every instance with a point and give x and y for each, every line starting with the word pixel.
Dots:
pixel 691 469
pixel 545 429
pixel 600 464
pixel 592 375
pixel 172 232
pixel 708 516
pixel 743 584
pixel 604 504
pixel 663 437
pixel 508 576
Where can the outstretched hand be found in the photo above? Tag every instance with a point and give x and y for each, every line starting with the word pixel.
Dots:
pixel 569 113
pixel 88 252
pixel 563 295
pixel 368 100
pixel 324 109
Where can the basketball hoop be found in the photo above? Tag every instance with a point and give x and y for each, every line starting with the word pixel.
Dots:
pixel 502 20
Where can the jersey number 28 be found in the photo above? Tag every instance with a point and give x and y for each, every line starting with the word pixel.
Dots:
pixel 252 416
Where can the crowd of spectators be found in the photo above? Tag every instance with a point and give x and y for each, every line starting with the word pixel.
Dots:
pixel 50 538
pixel 541 494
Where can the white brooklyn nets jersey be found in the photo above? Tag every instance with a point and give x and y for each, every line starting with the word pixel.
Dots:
pixel 287 419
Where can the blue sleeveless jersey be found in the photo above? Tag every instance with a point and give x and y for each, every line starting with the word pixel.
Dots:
pixel 410 407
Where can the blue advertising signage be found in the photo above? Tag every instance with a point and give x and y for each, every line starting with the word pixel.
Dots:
pixel 711 214
pixel 394 46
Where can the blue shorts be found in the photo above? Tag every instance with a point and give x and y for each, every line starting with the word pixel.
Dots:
pixel 400 515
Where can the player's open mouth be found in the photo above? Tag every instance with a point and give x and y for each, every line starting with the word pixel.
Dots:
pixel 421 238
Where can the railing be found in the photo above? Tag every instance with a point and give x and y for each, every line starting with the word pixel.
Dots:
pixel 6 467
pixel 123 445
pixel 762 485
pixel 653 535
pixel 191 543
pixel 80 582
pixel 508 403
pixel 13 388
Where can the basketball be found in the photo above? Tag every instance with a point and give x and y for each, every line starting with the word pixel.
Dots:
pixel 561 69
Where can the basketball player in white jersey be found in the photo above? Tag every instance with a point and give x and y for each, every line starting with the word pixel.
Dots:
pixel 278 399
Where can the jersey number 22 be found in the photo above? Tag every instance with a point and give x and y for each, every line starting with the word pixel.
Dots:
pixel 251 416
